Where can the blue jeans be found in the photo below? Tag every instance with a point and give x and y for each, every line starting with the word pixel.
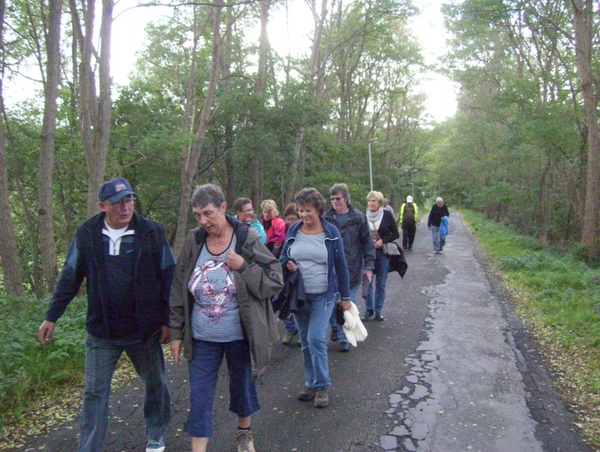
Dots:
pixel 438 240
pixel 312 320
pixel 204 373
pixel 380 274
pixel 100 363
pixel 333 319
pixel 290 325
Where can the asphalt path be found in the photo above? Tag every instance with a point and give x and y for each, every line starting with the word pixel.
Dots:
pixel 451 368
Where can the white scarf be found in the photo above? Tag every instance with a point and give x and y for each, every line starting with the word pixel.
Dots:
pixel 375 218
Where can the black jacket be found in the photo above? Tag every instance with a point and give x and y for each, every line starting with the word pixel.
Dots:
pixel 436 214
pixel 154 265
pixel 358 243
pixel 388 229
pixel 292 296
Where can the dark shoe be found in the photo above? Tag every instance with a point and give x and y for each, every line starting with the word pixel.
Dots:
pixel 307 394
pixel 287 338
pixel 321 398
pixel 344 347
pixel 244 441
pixel 334 335
pixel 367 316
pixel 379 317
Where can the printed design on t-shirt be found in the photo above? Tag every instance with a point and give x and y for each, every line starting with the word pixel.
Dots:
pixel 213 282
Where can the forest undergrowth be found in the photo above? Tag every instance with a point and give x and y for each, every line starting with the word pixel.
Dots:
pixel 557 294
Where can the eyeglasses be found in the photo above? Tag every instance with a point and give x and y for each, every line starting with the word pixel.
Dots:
pixel 122 203
pixel 336 198
pixel 247 211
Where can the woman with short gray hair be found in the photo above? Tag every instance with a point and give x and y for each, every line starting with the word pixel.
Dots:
pixel 220 307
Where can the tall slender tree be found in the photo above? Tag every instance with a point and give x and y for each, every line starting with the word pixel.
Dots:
pixel 46 211
pixel 9 253
pixel 583 21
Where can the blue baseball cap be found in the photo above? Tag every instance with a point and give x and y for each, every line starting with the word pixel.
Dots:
pixel 115 190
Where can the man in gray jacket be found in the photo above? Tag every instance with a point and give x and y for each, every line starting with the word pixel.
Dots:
pixel 358 247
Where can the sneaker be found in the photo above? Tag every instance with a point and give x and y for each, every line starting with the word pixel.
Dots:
pixel 321 398
pixel 244 441
pixel 156 446
pixel 367 315
pixel 287 338
pixel 307 394
pixel 344 347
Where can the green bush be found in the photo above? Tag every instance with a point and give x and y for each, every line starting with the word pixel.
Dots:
pixel 565 290
pixel 29 369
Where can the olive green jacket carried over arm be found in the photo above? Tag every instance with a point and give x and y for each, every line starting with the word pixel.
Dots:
pixel 259 278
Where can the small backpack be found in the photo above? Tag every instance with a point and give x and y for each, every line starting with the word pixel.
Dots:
pixel 409 212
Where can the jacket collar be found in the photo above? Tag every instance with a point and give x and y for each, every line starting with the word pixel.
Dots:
pixel 239 229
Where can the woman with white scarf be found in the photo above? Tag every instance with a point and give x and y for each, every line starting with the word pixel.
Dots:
pixel 383 230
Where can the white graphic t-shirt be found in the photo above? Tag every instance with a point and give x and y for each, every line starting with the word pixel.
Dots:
pixel 216 314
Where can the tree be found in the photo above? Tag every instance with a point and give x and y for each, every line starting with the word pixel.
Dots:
pixel 9 253
pixel 46 211
pixel 583 21
pixel 95 108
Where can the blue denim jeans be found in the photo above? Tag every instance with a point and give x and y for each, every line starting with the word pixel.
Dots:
pixel 312 320
pixel 204 373
pixel 438 241
pixel 290 325
pixel 333 319
pixel 100 363
pixel 376 297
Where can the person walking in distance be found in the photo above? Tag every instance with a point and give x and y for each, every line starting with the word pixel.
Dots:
pixel 128 266
pixel 358 247
pixel 438 211
pixel 409 220
pixel 383 230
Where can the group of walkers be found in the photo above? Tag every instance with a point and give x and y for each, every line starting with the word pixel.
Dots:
pixel 217 299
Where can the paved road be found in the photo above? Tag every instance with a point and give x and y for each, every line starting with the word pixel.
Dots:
pixel 451 369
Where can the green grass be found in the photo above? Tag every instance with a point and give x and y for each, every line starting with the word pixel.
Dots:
pixel 29 370
pixel 558 295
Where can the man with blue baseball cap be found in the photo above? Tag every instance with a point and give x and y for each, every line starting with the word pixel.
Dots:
pixel 128 265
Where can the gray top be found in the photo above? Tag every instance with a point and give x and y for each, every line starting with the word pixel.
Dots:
pixel 216 313
pixel 310 255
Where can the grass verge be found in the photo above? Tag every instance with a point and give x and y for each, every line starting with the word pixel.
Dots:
pixel 558 296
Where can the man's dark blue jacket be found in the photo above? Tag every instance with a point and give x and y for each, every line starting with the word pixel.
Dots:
pixel 154 265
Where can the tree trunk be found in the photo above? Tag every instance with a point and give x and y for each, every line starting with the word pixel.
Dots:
pixel 9 253
pixel 95 110
pixel 192 158
pixel 264 47
pixel 46 212
pixel 583 23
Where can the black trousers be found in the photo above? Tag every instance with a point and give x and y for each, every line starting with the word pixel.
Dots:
pixel 408 234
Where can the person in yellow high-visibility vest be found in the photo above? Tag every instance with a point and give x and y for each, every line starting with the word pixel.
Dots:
pixel 409 219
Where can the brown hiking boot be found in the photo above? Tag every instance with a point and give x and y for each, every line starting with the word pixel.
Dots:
pixel 244 441
pixel 321 398
pixel 307 394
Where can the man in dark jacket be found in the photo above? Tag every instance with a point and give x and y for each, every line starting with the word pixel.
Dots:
pixel 128 266
pixel 438 212
pixel 358 247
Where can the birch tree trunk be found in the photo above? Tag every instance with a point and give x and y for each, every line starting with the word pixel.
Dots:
pixel 583 13
pixel 46 211
pixel 191 159
pixel 9 253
